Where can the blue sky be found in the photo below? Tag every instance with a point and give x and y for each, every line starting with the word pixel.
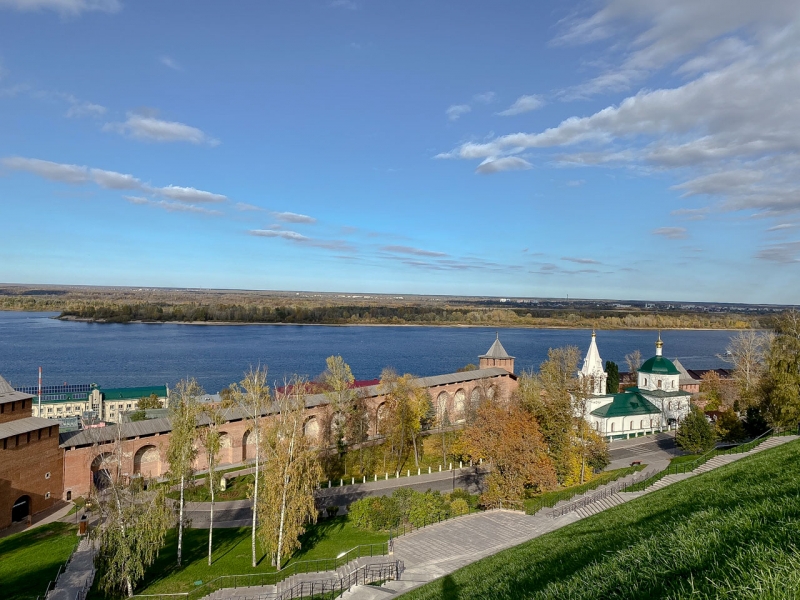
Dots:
pixel 607 149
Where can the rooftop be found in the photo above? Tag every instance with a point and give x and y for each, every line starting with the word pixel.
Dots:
pixel 496 351
pixel 9 394
pixel 627 404
pixel 658 365
pixel 26 425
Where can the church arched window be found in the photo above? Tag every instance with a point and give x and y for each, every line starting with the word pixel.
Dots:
pixel 612 428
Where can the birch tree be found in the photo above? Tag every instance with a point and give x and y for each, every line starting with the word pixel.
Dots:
pixel 135 524
pixel 210 438
pixel 292 473
pixel 182 449
pixel 251 398
pixel 406 405
pixel 747 353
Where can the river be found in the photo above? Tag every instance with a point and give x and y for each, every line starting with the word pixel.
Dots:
pixel 138 354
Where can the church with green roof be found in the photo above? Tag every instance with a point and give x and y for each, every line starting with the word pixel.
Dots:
pixel 656 403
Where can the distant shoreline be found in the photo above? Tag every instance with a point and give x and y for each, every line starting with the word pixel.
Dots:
pixel 452 325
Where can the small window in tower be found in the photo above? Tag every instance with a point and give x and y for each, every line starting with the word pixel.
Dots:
pixel 47 475
pixel 47 496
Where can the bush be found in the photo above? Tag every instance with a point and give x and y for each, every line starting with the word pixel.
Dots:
pixel 381 513
pixel 695 434
pixel 459 506
pixel 730 428
pixel 428 508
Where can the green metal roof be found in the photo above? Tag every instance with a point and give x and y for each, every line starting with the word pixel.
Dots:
pixel 134 393
pixel 627 404
pixel 658 365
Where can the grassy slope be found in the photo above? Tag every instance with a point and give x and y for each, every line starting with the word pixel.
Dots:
pixel 30 559
pixel 732 533
pixel 231 554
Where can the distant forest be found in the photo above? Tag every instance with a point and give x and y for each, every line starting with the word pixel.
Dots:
pixel 399 315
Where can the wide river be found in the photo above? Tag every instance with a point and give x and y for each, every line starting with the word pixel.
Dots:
pixel 115 355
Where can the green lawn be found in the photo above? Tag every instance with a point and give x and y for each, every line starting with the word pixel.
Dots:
pixel 30 559
pixel 731 533
pixel 327 539
pixel 676 460
pixel 237 488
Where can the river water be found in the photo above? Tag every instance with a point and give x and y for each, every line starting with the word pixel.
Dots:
pixel 137 354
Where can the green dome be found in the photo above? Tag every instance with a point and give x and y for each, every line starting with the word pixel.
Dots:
pixel 658 365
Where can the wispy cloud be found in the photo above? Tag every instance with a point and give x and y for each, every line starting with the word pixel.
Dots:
pixel 782 227
pixel 244 207
pixel 413 251
pixel 65 7
pixel 86 109
pixel 788 252
pixel 455 111
pixel 691 214
pixel 672 233
pixel 144 127
pixel 172 206
pixel 189 194
pixel 290 217
pixel 506 163
pixel 581 261
pixel 48 170
pixel 485 98
pixel 299 238
pixel 115 181
pixel 170 62
pixel 523 104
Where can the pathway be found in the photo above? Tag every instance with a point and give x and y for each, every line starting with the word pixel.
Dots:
pixel 75 581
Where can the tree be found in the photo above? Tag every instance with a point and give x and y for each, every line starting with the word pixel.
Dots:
pixel 695 434
pixel 510 439
pixel 251 397
pixel 210 438
pixel 357 425
pixel 135 524
pixel 780 387
pixel 710 389
pixel 291 475
pixel 182 450
pixel 747 353
pixel 338 380
pixel 634 361
pixel 612 383
pixel 150 401
pixel 406 406
pixel 729 427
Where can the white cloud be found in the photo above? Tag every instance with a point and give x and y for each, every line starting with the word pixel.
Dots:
pixel 245 207
pixel 48 170
pixel 523 104
pixel 485 98
pixel 279 233
pixel 170 62
pixel 189 194
pixel 85 109
pixel 672 233
pixel 691 214
pixel 581 261
pixel 507 163
pixel 65 7
pixel 290 217
pixel 413 251
pixel 115 181
pixel 782 227
pixel 788 252
pixel 293 236
pixel 456 111
pixel 172 206
pixel 145 127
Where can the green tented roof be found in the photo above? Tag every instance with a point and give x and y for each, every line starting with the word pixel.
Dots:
pixel 134 393
pixel 627 404
pixel 658 365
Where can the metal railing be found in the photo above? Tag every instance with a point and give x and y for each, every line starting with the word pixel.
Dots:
pixel 60 571
pixel 409 527
pixel 614 488
pixel 689 466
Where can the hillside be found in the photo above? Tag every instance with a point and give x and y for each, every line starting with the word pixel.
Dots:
pixel 731 533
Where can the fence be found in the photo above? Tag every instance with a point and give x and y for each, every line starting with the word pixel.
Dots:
pixel 61 569
pixel 614 488
pixel 687 467
pixel 534 505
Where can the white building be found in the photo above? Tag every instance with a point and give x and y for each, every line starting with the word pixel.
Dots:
pixel 655 404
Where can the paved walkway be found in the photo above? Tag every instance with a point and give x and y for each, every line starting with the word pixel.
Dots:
pixel 75 581
pixel 57 513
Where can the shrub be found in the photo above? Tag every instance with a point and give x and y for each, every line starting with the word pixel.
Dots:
pixel 459 506
pixel 695 434
pixel 427 508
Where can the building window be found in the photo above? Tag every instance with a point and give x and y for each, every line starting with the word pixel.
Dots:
pixel 47 496
pixel 659 384
pixel 612 427
pixel 47 475
pixel 669 405
pixel 645 380
pixel 69 494
pixel 641 424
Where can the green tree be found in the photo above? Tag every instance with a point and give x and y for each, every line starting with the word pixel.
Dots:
pixel 211 439
pixel 407 404
pixel 780 387
pixel 695 434
pixel 135 524
pixel 612 383
pixel 291 475
pixel 182 451
pixel 338 380
pixel 251 397
pixel 151 401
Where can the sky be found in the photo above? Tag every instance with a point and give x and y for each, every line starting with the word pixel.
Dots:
pixel 599 149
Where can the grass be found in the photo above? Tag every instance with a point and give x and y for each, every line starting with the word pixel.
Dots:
pixel 237 488
pixel 676 460
pixel 549 499
pixel 30 559
pixel 232 555
pixel 731 533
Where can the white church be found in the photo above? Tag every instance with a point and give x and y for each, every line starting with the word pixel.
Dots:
pixel 657 403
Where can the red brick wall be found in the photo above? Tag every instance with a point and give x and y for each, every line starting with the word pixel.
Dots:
pixel 11 411
pixel 23 468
